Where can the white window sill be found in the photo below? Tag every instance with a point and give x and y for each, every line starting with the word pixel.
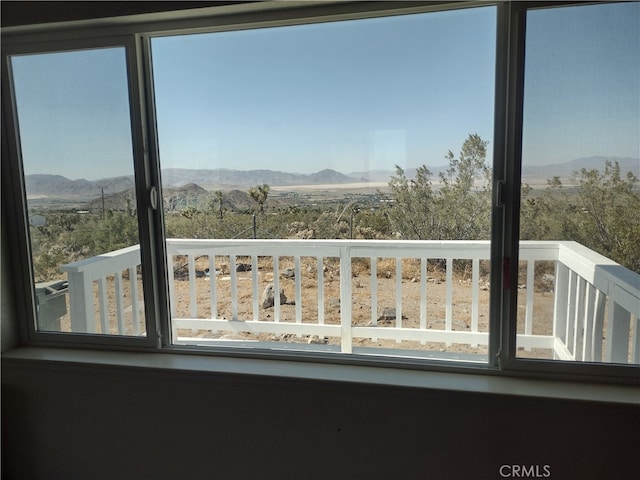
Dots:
pixel 457 382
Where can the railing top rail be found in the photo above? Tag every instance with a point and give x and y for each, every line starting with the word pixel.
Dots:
pixel 357 248
pixel 598 269
pixel 527 244
pixel 125 257
pixel 325 242
pixel 117 259
pixel 458 249
pixel 592 266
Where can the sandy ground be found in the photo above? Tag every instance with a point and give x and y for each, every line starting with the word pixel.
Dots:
pixel 330 186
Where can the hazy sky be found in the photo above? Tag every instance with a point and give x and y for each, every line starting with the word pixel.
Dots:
pixel 582 83
pixel 352 95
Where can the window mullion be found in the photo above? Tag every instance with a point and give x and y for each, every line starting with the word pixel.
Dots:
pixel 507 153
pixel 12 182
pixel 147 182
pixel 155 217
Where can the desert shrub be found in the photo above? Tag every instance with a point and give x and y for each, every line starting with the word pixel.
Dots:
pixel 459 209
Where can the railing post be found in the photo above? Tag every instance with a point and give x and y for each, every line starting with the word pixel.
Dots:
pixel 589 322
pixel 561 303
pixel 598 327
pixel 345 299
pixel 81 303
pixel 320 277
pixel 276 288
pixel 213 285
pixel 119 305
pixel 193 299
pixel 135 306
pixel 572 309
pixel 172 279
pixel 233 268
pixel 398 294
pixel 579 322
pixel 448 322
pixel 617 333
pixel 635 343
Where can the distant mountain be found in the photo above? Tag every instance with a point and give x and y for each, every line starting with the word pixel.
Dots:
pixel 221 177
pixel 566 169
pixel 563 170
pixel 373 175
pixel 191 194
pixel 43 184
pixel 118 201
pixel 227 179
pixel 57 185
pixel 385 175
pixel 177 199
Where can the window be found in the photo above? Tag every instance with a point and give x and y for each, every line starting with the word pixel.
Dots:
pixel 580 169
pixel 333 186
pixel 313 133
pixel 77 157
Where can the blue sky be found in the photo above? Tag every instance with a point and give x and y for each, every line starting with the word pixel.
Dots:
pixel 73 112
pixel 352 96
pixel 582 83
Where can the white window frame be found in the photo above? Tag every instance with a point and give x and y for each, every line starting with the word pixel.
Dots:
pixel 135 34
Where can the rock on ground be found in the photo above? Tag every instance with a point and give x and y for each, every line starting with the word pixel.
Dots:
pixel 268 297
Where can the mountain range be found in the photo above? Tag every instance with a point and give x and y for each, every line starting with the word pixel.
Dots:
pixel 221 178
pixel 228 179
pixel 566 169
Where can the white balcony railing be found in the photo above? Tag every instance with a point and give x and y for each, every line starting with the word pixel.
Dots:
pixel 593 297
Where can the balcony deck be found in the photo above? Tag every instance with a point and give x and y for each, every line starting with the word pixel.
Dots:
pixel 409 298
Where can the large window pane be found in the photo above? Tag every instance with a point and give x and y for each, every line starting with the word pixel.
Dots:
pixel 334 131
pixel 75 133
pixel 579 296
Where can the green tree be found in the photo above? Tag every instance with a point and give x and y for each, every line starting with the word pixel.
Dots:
pixel 259 194
pixel 550 216
pixel 219 198
pixel 603 214
pixel 67 238
pixel 459 209
pixel 609 207
pixel 412 214
pixel 214 203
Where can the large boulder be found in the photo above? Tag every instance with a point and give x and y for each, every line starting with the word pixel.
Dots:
pixel 268 297
pixel 389 314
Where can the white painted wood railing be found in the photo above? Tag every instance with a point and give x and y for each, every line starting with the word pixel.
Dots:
pixel 592 290
pixel 594 296
pixel 343 251
pixel 98 272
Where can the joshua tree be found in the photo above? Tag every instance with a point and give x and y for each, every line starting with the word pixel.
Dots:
pixel 260 193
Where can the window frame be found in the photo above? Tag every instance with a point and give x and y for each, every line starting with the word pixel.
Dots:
pixel 135 35
pixel 13 179
pixel 517 21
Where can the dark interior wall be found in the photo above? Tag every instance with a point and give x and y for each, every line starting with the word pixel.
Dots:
pixel 83 423
pixel 8 325
pixel 16 13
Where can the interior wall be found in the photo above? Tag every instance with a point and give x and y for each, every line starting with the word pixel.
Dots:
pixel 16 13
pixel 79 422
pixel 9 328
